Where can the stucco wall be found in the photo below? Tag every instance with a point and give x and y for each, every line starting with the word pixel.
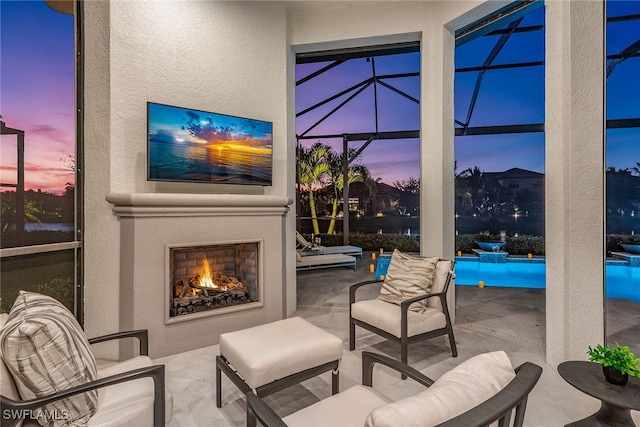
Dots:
pixel 574 206
pixel 226 57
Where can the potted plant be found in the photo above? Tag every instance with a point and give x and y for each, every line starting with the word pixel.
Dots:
pixel 617 362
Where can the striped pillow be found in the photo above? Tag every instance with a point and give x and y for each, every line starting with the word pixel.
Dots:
pixel 46 351
pixel 408 277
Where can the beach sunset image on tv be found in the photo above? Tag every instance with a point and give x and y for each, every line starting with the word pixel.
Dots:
pixel 187 145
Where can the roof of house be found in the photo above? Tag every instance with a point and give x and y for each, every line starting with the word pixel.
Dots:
pixel 515 173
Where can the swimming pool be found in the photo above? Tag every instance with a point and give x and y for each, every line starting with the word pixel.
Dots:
pixel 622 281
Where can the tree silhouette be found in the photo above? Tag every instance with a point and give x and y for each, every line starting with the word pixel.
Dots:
pixel 355 173
pixel 623 190
pixel 8 210
pixel 313 168
pixel 409 199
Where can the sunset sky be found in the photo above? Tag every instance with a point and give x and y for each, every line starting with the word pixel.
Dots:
pixel 37 94
pixel 177 125
pixel 507 96
pixel 37 88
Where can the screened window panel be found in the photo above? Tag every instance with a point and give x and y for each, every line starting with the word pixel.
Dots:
pixel 492 152
pixel 51 273
pixel 510 96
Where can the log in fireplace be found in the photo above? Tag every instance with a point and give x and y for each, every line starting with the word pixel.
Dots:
pixel 211 277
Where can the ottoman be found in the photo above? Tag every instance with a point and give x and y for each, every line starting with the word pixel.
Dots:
pixel 277 355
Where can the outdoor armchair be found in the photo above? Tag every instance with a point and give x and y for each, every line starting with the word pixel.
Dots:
pixel 400 324
pixel 478 392
pixel 36 371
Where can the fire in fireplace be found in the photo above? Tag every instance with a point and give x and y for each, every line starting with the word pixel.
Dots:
pixel 211 277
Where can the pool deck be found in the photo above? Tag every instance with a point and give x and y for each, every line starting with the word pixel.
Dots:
pixel 488 319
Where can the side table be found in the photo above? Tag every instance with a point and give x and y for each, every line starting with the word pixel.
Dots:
pixel 617 401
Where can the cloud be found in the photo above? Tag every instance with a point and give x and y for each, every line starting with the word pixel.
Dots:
pixel 162 135
pixel 48 131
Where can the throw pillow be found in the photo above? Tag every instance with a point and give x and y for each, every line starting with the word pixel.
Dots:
pixel 408 277
pixel 7 386
pixel 457 391
pixel 46 351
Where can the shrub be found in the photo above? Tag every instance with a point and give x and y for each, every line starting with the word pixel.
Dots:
pixel 523 245
pixel 373 242
pixel 613 240
pixel 60 289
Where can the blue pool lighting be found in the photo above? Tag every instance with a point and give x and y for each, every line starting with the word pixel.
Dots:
pixel 622 281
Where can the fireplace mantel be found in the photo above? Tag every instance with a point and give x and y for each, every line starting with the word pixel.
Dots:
pixel 153 223
pixel 181 204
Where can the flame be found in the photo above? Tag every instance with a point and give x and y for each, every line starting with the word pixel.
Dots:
pixel 205 276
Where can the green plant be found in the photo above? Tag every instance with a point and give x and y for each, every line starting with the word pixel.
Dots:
pixel 618 357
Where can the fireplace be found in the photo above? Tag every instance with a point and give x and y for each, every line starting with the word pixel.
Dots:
pixel 152 225
pixel 212 279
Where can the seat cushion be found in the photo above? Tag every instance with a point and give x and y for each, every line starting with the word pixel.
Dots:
pixel 347 408
pixel 46 350
pixel 129 403
pixel 408 277
pixel 386 316
pixel 272 351
pixel 457 391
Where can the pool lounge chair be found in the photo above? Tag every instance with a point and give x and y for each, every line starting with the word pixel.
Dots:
pixel 305 246
pixel 311 262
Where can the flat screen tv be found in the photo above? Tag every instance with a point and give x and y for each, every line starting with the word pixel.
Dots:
pixel 187 145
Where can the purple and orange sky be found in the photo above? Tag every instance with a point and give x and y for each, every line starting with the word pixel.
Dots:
pixel 37 93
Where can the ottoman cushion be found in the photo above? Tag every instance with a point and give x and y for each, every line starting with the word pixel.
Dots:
pixel 269 352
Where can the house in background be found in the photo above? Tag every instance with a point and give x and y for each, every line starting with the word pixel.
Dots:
pixel 238 58
pixel 517 179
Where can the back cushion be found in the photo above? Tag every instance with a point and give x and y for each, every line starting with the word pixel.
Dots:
pixel 46 351
pixel 439 280
pixel 459 390
pixel 408 277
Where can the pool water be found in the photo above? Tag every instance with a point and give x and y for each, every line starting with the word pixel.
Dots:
pixel 622 281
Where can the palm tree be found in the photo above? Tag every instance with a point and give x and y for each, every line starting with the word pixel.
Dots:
pixel 312 169
pixel 8 210
pixel 355 173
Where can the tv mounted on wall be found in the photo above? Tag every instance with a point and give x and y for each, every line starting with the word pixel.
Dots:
pixel 187 145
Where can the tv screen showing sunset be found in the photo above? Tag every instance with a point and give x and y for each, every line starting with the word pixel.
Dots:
pixel 187 145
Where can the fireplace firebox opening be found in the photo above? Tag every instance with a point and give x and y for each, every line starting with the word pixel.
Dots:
pixel 206 278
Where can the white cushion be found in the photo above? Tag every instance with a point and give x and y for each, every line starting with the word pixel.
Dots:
pixel 459 390
pixel 7 386
pixel 129 403
pixel 45 350
pixel 386 316
pixel 347 408
pixel 439 280
pixel 272 351
pixel 408 277
pixel 314 260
